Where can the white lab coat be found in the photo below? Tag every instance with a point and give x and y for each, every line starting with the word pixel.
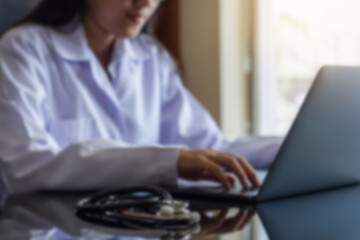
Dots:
pixel 65 126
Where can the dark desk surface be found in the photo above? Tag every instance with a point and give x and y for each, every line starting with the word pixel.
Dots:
pixel 328 215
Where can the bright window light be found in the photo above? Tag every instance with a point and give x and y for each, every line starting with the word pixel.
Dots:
pixel 299 37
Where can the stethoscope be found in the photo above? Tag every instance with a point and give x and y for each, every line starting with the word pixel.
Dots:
pixel 144 207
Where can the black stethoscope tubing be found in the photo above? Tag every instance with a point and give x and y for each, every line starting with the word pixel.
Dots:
pixel 94 203
pixel 106 208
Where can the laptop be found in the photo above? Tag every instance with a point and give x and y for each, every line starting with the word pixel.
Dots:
pixel 320 152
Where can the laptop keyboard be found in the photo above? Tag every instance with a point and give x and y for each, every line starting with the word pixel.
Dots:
pixel 240 190
pixel 250 192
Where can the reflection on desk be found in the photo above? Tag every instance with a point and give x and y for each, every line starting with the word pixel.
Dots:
pixel 52 217
pixel 327 215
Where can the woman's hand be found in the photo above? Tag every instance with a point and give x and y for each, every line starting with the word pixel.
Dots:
pixel 208 164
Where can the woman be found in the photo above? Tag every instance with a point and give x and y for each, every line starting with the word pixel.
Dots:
pixel 87 102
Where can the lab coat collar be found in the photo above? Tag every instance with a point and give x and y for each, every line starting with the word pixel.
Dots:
pixel 138 48
pixel 73 45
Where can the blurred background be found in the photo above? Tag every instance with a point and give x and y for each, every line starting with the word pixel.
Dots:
pixel 249 62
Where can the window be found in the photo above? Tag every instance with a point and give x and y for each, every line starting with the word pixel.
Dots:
pixel 294 39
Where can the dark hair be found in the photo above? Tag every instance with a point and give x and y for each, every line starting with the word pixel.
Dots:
pixel 58 13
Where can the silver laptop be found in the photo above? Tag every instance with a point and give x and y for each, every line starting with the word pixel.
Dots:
pixel 321 150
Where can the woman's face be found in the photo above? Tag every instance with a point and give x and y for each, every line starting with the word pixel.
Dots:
pixel 123 18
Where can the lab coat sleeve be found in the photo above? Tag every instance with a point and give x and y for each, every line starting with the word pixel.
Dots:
pixel 185 121
pixel 32 160
pixel 260 151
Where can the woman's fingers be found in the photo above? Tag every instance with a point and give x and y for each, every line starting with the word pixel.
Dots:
pixel 249 170
pixel 217 171
pixel 208 176
pixel 250 173
pixel 200 164
pixel 236 166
